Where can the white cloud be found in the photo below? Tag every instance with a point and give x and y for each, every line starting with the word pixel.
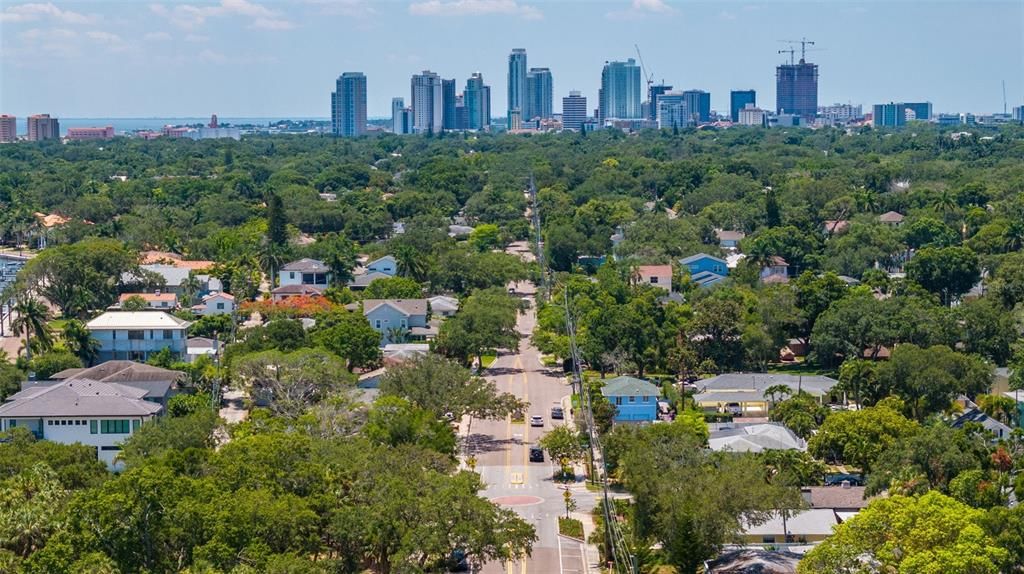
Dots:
pixel 104 37
pixel 212 57
pixel 348 8
pixel 156 37
pixel 474 8
pixel 196 38
pixel 37 11
pixel 639 9
pixel 189 16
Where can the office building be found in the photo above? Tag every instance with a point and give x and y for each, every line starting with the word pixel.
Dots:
pixel 796 89
pixel 348 105
pixel 699 104
pixel 399 117
pixel 1018 114
pixel 427 103
pixel 619 96
pixel 516 83
pixel 751 115
pixel 43 127
pixel 461 113
pixel 104 133
pixel 672 110
pixel 840 113
pixel 922 111
pixel 8 128
pixel 655 90
pixel 477 99
pixel 738 99
pixel 574 111
pixel 448 118
pixel 539 94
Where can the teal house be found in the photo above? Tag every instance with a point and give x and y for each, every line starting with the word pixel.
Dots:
pixel 635 400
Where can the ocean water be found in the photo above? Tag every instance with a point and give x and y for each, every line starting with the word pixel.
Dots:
pixel 125 125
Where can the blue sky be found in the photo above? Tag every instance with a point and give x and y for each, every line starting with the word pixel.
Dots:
pixel 278 59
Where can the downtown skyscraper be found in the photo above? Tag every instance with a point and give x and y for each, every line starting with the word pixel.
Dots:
pixel 539 94
pixel 477 100
pixel 516 84
pixel 427 103
pixel 619 97
pixel 574 111
pixel 796 89
pixel 348 105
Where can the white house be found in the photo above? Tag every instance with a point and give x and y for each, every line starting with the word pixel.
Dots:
pixel 657 275
pixel 158 301
pixel 305 271
pixel 97 414
pixel 135 335
pixel 776 272
pixel 386 265
pixel 216 303
pixel 443 306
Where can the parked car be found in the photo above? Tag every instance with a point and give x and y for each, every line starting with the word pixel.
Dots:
pixel 557 413
pixel 536 454
pixel 536 421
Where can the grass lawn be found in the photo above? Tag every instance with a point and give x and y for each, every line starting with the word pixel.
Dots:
pixel 800 368
pixel 570 527
pixel 58 324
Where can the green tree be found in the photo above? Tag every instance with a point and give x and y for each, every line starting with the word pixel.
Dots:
pixel 563 445
pixel 859 437
pixel 350 336
pixel 134 303
pixel 486 321
pixel 928 459
pixel 393 288
pixel 31 321
pixel 289 383
pixel 79 340
pixel 485 237
pixel 170 435
pixel 802 413
pixel 928 534
pixel 31 506
pixel 928 379
pixel 277 232
pixel 946 271
pixel 395 421
pixel 47 364
pixel 184 404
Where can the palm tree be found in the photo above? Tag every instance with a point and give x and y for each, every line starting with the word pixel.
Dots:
pixel 944 202
pixel 31 320
pixel 190 287
pixel 1013 236
pixel 79 340
pixel 410 263
pixel 271 256
pixel 866 200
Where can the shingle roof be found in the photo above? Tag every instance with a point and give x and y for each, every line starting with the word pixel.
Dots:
pixel 728 235
pixel 654 270
pixel 816 385
pixel 835 496
pixel 137 320
pixel 405 306
pixel 306 265
pixel 755 438
pixel 891 217
pixel 626 386
pixel 79 397
pixel 751 560
pixel 217 294
pixel 298 290
pixel 366 278
pixel 444 303
pixel 698 256
pixel 174 275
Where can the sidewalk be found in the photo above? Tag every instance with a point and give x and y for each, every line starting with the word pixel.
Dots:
pixel 591 555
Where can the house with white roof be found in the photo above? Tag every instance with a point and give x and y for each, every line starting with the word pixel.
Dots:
pixel 744 392
pixel 216 303
pixel 83 411
pixel 174 276
pixel 755 438
pixel 443 306
pixel 135 335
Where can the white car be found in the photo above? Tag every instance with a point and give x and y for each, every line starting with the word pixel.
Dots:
pixel 536 421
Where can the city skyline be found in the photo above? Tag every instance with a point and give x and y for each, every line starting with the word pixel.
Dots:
pixel 135 58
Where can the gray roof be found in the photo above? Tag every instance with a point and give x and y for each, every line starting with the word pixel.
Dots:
pixel 626 386
pixel 754 560
pixel 298 290
pixel 173 276
pixel 755 438
pixel 444 303
pixel 975 415
pixel 365 279
pixel 79 397
pixel 698 256
pixel 816 521
pixel 155 381
pixel 306 265
pixel 815 385
pixel 405 306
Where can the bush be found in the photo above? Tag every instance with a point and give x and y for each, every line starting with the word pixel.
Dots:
pixel 570 527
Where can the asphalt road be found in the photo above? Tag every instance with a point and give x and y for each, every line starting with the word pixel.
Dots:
pixel 501 449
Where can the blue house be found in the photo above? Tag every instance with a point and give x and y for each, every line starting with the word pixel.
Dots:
pixel 635 399
pixel 386 265
pixel 705 270
pixel 397 319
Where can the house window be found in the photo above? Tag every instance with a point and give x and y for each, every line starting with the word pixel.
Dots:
pixel 110 448
pixel 291 275
pixel 308 278
pixel 220 306
pixel 632 399
pixel 768 540
pixel 376 324
pixel 136 335
pixel 117 426
pixel 718 268
pixel 618 400
pixel 49 423
pixel 654 280
pixel 92 427
pixel 135 424
pixel 403 323
pixel 168 334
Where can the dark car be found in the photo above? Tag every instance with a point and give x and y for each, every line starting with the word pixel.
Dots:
pixel 457 561
pixel 536 454
pixel 557 413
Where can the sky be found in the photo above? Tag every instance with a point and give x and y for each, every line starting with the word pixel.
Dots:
pixel 246 58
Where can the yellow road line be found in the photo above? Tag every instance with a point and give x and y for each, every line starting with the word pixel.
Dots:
pixel 509 563
pixel 526 433
pixel 524 566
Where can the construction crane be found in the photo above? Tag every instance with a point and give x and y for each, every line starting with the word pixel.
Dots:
pixel 649 78
pixel 803 48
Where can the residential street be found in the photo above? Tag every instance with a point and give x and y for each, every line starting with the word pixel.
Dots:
pixel 501 449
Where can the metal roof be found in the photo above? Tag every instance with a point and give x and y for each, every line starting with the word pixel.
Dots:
pixel 137 320
pixel 79 397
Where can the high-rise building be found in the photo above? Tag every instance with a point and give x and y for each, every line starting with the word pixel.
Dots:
pixel 448 119
pixel 796 89
pixel 653 92
pixel 516 83
pixel 539 94
pixel 461 113
pixel 921 110
pixel 699 104
pixel 841 113
pixel 400 114
pixel 738 99
pixel 890 115
pixel 43 127
pixel 574 111
pixel 673 110
pixel 751 115
pixel 348 105
pixel 477 99
pixel 620 91
pixel 8 128
pixel 427 103
pixel 1018 114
